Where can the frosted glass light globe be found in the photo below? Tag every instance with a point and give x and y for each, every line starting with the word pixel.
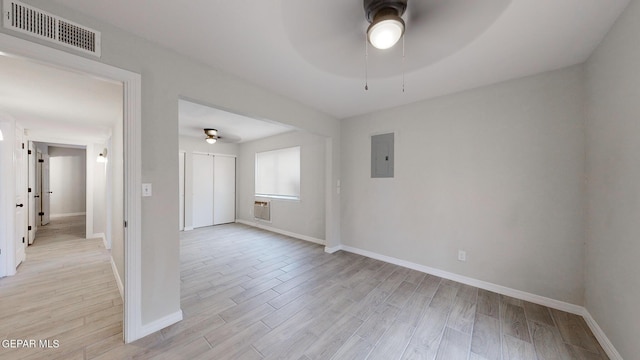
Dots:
pixel 385 33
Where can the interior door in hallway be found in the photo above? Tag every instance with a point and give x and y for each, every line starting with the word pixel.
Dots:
pixel 46 191
pixel 38 194
pixel 32 224
pixel 20 192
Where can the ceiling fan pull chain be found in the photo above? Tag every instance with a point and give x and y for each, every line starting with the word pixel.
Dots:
pixel 366 64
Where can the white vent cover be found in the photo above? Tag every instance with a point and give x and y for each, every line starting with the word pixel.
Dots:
pixel 35 22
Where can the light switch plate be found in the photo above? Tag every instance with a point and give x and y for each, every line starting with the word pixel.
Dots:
pixel 146 190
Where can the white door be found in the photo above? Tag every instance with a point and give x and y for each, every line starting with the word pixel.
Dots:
pixel 202 190
pixel 38 194
pixel 21 186
pixel 224 189
pixel 181 156
pixel 46 191
pixel 31 229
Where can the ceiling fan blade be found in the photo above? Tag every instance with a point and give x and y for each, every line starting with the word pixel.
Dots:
pixel 229 139
pixel 332 35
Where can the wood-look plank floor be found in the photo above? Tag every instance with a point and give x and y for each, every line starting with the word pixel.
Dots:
pixel 64 292
pixel 251 294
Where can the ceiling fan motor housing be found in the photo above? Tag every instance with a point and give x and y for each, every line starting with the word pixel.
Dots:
pixel 373 8
pixel 211 132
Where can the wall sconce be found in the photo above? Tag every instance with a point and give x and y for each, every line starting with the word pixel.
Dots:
pixel 102 157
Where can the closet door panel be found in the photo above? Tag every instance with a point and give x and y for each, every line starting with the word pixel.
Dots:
pixel 224 185
pixel 202 190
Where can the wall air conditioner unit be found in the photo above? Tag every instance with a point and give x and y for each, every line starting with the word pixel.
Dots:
pixel 262 210
pixel 32 21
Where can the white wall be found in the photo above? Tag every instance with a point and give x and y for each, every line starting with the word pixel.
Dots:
pixel 190 145
pixel 167 76
pixel 304 217
pixel 496 171
pixel 613 173
pixel 67 180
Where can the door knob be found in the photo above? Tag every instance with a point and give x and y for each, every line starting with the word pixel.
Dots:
pixel 19 205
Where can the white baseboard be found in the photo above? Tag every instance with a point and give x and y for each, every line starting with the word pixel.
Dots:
pixel 537 299
pixel 117 275
pixel 518 294
pixel 103 237
pixel 331 250
pixel 283 232
pixel 160 324
pixel 55 216
pixel 601 336
pixel 188 228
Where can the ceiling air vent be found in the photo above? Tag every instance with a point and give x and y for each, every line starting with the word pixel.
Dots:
pixel 35 22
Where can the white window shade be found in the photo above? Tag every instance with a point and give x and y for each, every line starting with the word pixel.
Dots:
pixel 278 173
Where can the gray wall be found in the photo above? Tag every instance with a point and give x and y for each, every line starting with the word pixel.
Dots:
pixel 497 172
pixel 613 173
pixel 67 180
pixel 166 76
pixel 304 217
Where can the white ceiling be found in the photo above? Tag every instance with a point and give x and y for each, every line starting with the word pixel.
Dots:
pixel 57 104
pixel 194 118
pixel 54 103
pixel 313 51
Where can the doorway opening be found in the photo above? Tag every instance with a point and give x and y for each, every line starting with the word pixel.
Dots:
pixel 129 163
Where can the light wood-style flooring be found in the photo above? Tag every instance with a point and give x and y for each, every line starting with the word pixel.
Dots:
pixel 250 294
pixel 64 291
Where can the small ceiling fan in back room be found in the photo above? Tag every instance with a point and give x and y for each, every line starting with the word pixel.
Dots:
pixel 212 136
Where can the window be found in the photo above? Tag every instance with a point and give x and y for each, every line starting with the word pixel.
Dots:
pixel 278 173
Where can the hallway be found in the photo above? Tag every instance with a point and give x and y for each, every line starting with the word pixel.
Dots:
pixel 64 291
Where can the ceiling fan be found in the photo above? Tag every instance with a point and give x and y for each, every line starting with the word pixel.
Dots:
pixel 386 23
pixel 431 30
pixel 213 137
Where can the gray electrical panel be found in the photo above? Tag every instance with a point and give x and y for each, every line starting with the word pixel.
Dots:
pixel 382 156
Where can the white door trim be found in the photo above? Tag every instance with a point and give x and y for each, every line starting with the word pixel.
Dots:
pixel 88 148
pixel 88 199
pixel 213 154
pixel 133 170
pixel 7 197
pixel 182 163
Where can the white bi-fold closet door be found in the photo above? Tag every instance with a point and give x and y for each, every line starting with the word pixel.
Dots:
pixel 214 190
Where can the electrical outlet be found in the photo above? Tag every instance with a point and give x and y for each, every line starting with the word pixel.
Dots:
pixel 462 255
